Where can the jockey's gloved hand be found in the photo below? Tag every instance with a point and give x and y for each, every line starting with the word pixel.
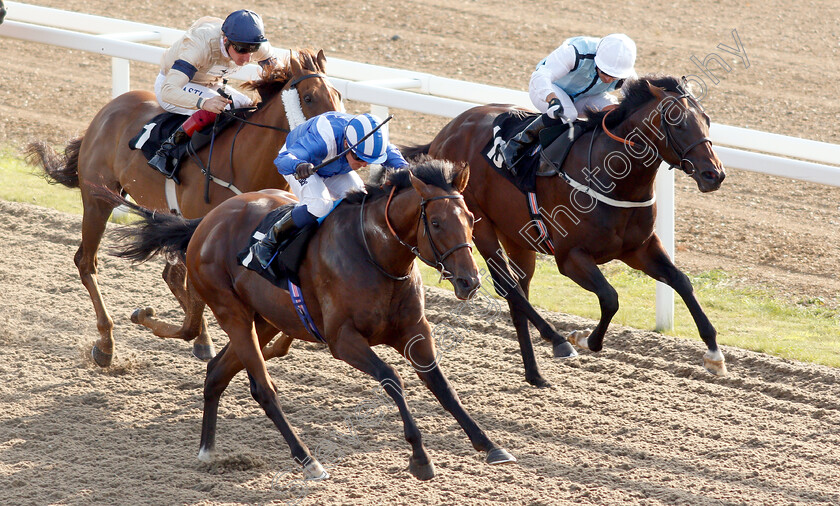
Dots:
pixel 304 170
pixel 555 109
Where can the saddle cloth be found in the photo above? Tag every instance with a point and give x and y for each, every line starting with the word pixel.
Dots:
pixel 553 147
pixel 157 130
pixel 286 262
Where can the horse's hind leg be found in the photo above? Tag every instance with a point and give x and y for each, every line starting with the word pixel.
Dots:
pixel 94 219
pixel 654 261
pixel 421 355
pixel 352 348
pixel 194 323
pixel 175 276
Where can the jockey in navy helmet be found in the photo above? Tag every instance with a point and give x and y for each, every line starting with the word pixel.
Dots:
pixel 192 70
pixel 578 75
pixel 335 136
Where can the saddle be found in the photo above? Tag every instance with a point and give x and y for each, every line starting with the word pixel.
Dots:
pixel 544 159
pixel 290 253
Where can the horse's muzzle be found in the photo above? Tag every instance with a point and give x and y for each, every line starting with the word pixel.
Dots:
pixel 466 286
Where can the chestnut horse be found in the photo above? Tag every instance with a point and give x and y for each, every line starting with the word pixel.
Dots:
pixel 600 207
pixel 242 155
pixel 359 281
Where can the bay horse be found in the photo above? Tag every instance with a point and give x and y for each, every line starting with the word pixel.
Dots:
pixel 242 155
pixel 600 206
pixel 359 281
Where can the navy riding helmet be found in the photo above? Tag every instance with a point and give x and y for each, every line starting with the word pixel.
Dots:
pixel 245 28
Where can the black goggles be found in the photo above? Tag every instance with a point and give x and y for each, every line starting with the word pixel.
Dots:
pixel 244 47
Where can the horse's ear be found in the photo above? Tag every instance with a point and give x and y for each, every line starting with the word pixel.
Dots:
pixel 321 60
pixel 294 64
pixel 658 93
pixel 461 178
pixel 421 187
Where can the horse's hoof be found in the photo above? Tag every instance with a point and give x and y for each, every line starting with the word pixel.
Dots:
pixel 145 312
pixel 580 338
pixel 538 381
pixel 204 351
pixel 499 456
pixel 315 471
pixel 715 363
pixel 206 456
pixel 422 472
pixel 101 359
pixel 564 350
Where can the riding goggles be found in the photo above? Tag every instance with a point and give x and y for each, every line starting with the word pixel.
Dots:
pixel 245 47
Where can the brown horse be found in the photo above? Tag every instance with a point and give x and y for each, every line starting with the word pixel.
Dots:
pixel 242 155
pixel 600 207
pixel 359 281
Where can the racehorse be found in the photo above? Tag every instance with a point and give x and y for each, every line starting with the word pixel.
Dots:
pixel 600 206
pixel 241 161
pixel 359 282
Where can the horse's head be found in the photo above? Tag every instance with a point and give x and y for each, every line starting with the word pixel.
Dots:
pixel 445 226
pixel 302 85
pixel 685 128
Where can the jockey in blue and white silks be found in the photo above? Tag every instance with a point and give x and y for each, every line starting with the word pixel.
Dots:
pixel 315 141
pixel 578 75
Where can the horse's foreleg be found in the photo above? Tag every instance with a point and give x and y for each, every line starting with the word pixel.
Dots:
pixel 175 276
pixel 654 261
pixel 96 213
pixel 419 351
pixel 265 332
pixel 354 349
pixel 582 269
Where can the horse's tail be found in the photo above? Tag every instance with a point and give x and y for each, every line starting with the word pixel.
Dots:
pixel 412 152
pixel 156 232
pixel 63 169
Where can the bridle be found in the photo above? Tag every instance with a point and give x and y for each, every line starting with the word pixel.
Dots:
pixel 671 141
pixel 439 257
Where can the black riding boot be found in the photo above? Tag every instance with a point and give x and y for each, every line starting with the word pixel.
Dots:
pixel 514 147
pixel 161 159
pixel 265 249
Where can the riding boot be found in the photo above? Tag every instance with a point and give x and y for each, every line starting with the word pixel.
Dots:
pixel 280 232
pixel 514 147
pixel 161 159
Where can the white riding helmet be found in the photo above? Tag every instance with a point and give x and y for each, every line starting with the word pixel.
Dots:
pixel 374 149
pixel 616 55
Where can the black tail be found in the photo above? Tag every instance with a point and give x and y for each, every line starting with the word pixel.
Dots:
pixel 412 152
pixel 156 232
pixel 58 169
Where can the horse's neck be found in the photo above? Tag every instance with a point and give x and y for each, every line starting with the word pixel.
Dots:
pixel 256 148
pixel 404 215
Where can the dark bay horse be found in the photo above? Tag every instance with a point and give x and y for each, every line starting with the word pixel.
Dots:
pixel 242 155
pixel 608 214
pixel 359 281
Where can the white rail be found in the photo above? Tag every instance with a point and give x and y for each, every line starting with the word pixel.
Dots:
pixel 384 87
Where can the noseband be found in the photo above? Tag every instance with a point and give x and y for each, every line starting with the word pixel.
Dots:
pixel 439 257
pixel 671 141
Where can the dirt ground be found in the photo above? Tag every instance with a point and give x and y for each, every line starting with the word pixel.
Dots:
pixel 640 423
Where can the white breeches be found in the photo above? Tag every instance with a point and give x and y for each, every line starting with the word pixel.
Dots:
pixel 318 193
pixel 239 98
pixel 574 109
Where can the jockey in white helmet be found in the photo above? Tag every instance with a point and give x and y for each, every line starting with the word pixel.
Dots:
pixel 333 137
pixel 579 74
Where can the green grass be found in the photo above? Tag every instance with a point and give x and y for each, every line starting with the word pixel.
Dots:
pixel 748 318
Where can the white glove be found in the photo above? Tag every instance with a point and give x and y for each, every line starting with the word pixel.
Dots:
pixel 555 109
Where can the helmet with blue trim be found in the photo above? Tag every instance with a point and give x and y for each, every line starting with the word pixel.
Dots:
pixel 245 27
pixel 616 55
pixel 374 148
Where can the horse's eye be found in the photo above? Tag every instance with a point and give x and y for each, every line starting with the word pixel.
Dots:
pixel 307 99
pixel 435 223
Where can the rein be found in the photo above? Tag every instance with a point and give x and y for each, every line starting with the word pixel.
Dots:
pixel 671 141
pixel 437 264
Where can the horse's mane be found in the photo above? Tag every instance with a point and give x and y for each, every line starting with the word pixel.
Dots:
pixel 274 77
pixel 636 94
pixel 433 172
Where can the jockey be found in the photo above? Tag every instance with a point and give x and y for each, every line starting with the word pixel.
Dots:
pixel 335 137
pixel 193 68
pixel 579 74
